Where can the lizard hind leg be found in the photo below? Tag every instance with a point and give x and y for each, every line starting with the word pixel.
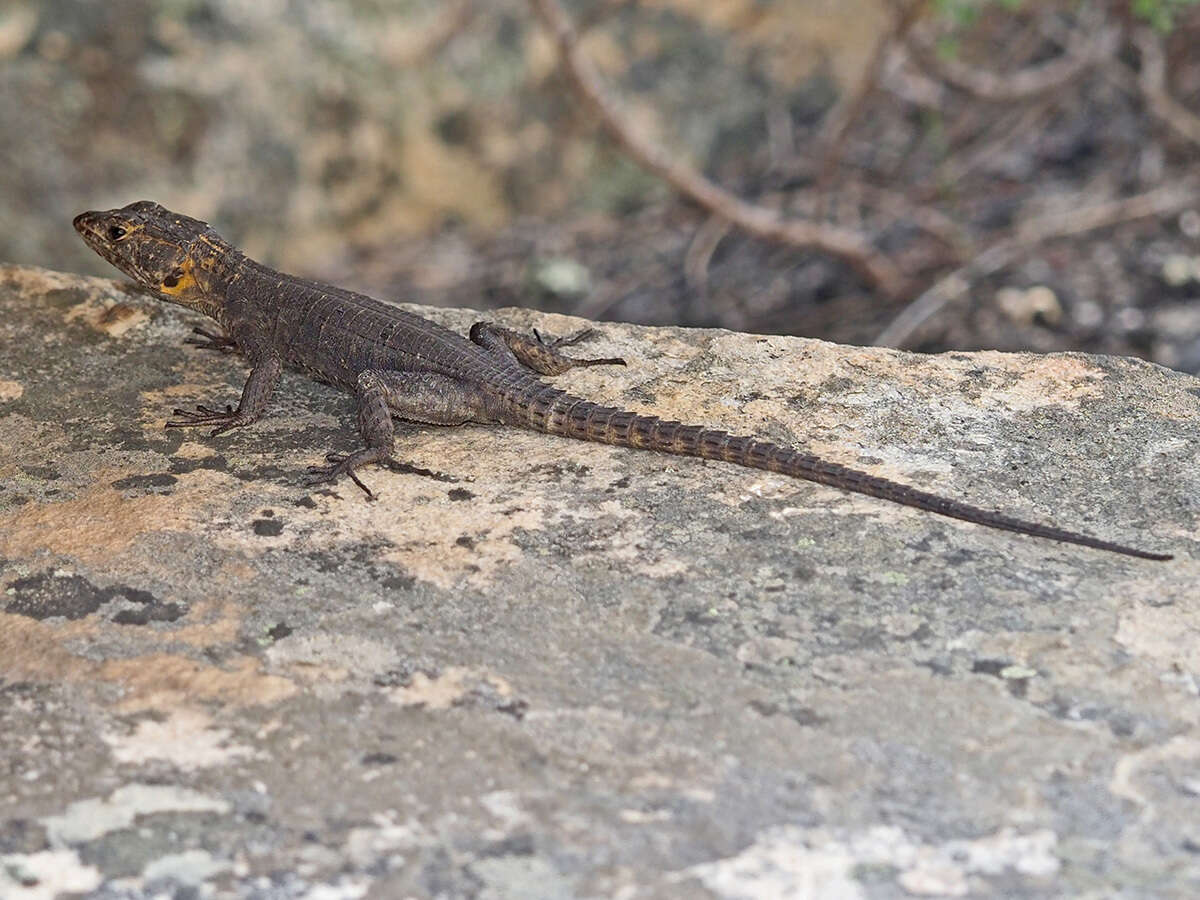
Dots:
pixel 534 353
pixel 375 426
pixel 412 396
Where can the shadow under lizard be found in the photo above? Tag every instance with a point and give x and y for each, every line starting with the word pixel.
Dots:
pixel 398 364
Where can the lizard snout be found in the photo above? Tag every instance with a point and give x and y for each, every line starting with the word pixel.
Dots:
pixel 85 222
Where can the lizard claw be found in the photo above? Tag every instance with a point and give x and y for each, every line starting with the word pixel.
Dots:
pixel 202 412
pixel 211 341
pixel 205 415
pixel 566 340
pixel 338 464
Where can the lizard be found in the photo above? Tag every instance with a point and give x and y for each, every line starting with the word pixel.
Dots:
pixel 402 366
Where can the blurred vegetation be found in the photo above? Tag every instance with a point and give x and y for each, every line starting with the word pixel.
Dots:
pixel 1161 13
pixel 432 150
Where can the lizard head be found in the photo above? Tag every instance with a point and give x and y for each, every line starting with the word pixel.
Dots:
pixel 164 251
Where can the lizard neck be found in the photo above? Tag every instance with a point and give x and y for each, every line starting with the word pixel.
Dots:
pixel 214 267
pixel 204 277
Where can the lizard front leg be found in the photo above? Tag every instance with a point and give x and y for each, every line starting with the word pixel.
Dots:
pixel 255 395
pixel 534 353
pixel 413 396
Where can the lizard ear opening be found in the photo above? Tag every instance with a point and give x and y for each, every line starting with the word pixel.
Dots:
pixel 172 280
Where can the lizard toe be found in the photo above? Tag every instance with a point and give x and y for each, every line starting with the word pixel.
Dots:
pixel 339 464
pixel 568 340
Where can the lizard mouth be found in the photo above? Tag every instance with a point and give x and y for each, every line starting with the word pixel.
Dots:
pixel 85 224
pixel 90 224
pixel 89 227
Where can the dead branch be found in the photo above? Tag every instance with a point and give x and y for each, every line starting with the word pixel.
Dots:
pixel 999 132
pixel 910 84
pixel 1007 87
pixel 846 112
pixel 1153 83
pixel 944 228
pixel 850 246
pixel 983 132
pixel 699 253
pixel 951 288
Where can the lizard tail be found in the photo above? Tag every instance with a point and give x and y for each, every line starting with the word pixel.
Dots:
pixel 557 412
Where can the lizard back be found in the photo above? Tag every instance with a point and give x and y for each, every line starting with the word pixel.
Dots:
pixel 335 334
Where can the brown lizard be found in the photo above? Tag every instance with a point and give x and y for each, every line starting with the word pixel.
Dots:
pixel 400 365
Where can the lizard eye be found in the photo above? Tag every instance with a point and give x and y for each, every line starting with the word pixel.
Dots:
pixel 116 232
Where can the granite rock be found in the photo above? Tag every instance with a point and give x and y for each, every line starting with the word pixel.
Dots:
pixel 572 670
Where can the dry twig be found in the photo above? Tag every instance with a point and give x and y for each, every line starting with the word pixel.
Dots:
pixel 951 288
pixel 700 250
pixel 1153 83
pixel 849 245
pixel 837 124
pixel 1009 87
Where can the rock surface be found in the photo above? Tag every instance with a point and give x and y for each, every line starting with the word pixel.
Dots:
pixel 580 671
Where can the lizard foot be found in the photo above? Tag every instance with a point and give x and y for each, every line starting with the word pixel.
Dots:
pixel 339 464
pixel 570 340
pixel 566 340
pixel 211 341
pixel 204 415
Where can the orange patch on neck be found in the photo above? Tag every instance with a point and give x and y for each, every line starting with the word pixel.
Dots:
pixel 182 284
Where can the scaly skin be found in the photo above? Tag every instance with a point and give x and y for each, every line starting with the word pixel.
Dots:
pixel 401 365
